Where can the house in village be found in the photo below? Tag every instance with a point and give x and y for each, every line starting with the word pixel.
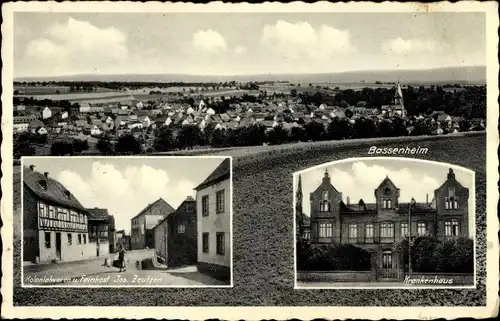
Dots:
pixel 213 207
pixel 55 224
pixel 141 233
pixel 46 113
pixel 378 226
pixel 122 240
pixel 102 230
pixel 176 235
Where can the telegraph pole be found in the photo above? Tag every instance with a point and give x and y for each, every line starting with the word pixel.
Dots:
pixel 412 203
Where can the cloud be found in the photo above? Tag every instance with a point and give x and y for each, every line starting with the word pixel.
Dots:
pixel 414 45
pixel 240 50
pixel 77 46
pixel 301 40
pixel 125 193
pixel 209 41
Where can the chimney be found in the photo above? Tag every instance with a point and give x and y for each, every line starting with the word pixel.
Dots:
pixel 348 200
pixel 426 199
pixel 32 167
pixel 46 175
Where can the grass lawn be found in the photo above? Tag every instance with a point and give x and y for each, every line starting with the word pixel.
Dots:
pixel 263 267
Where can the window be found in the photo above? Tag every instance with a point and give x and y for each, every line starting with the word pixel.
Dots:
pixel 451 203
pixel 204 205
pixel 324 206
pixel 189 207
pixel 307 235
pixel 47 240
pixel 387 260
pixel 387 231
pixel 43 210
pixel 84 239
pixel 404 229
pixel 219 196
pixel 353 231
pixel 181 228
pixel 79 239
pixel 325 230
pixel 451 192
pixel 51 212
pixel 204 240
pixel 421 228
pixel 387 203
pixel 220 243
pixel 325 195
pixel 70 239
pixel 369 232
pixel 451 228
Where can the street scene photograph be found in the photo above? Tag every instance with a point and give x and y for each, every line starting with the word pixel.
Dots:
pixel 129 221
pixel 384 222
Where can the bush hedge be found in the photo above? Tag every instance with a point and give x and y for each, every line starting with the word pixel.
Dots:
pixel 332 257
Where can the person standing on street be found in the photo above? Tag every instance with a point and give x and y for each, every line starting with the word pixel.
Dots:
pixel 121 259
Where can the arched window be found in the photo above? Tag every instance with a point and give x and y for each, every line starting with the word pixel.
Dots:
pixel 325 195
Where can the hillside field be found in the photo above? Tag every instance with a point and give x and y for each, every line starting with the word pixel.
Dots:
pixel 263 259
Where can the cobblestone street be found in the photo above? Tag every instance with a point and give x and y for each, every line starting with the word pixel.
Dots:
pixel 93 273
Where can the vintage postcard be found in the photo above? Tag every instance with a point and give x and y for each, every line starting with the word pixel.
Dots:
pixel 250 161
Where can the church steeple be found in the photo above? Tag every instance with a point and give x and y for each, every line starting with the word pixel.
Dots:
pixel 326 177
pixel 299 188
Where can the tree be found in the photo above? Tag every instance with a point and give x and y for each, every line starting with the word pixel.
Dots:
pixel 164 139
pixel 277 135
pixel 128 144
pixel 188 136
pixel 23 148
pixel 293 92
pixel 61 148
pixel 104 146
pixel 218 138
pixel 79 145
pixel 339 128
pixel 348 113
pixel 315 131
pixel 298 134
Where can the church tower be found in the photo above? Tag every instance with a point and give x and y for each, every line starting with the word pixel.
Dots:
pixel 299 219
pixel 398 100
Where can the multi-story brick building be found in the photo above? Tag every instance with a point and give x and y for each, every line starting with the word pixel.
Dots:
pixel 213 202
pixel 176 237
pixel 142 233
pixel 379 226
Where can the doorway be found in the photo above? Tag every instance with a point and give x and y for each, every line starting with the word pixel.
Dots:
pixel 58 246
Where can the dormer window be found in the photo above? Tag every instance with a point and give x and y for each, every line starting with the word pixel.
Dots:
pixel 386 203
pixel 43 184
pixel 67 194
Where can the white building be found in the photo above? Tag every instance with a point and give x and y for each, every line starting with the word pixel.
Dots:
pixel 213 202
pixel 46 113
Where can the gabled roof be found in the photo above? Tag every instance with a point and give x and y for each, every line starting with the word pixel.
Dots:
pixel 98 213
pixel 222 172
pixel 55 192
pixel 159 201
pixel 387 179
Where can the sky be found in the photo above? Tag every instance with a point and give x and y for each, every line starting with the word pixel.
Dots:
pixel 358 179
pixel 52 44
pixel 125 186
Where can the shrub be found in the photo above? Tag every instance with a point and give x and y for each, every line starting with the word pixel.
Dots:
pixel 331 257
